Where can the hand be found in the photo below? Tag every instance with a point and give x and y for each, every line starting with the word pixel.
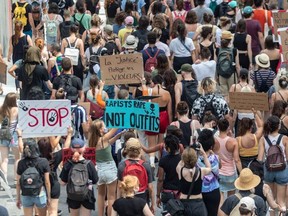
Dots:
pixel 48 201
pixel 152 208
pixel 254 111
pixel 250 67
pixel 19 132
pixel 198 61
pixel 18 204
pixel 70 131
pixel 201 150
pixel 101 84
pixel 158 201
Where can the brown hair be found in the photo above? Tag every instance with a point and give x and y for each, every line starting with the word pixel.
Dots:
pixel 60 93
pixel 39 42
pixel 189 157
pixel 96 21
pixel 245 125
pixel 94 81
pixel 182 108
pixel 94 132
pixel 18 27
pixel 10 101
pixel 224 21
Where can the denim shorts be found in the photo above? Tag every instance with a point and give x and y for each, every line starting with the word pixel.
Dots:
pixel 39 201
pixel 278 177
pixel 12 143
pixel 226 183
pixel 51 40
pixel 107 172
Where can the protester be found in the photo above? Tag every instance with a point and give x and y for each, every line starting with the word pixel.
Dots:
pixel 81 17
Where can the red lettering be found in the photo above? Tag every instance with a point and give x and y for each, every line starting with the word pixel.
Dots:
pixel 56 117
pixel 43 116
pixel 30 114
pixel 60 116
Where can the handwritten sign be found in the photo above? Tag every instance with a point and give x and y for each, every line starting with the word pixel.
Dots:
pixel 89 154
pixel 121 69
pixel 279 20
pixel 283 41
pixel 248 100
pixel 132 114
pixel 3 72
pixel 44 118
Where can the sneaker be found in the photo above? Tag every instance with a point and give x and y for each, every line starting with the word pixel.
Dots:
pixel 59 212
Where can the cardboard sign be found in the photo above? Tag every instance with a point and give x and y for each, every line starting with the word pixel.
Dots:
pixel 3 73
pixel 248 100
pixel 283 41
pixel 279 20
pixel 132 114
pixel 122 69
pixel 44 118
pixel 89 154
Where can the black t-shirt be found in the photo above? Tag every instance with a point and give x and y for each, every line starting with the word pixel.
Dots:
pixel 63 5
pixel 169 164
pixel 112 9
pixel 56 160
pixel 165 36
pixel 41 164
pixel 221 9
pixel 129 206
pixel 28 9
pixel 58 81
pixel 40 75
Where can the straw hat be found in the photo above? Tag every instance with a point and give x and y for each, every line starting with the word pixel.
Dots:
pixel 133 143
pixel 247 180
pixel 263 60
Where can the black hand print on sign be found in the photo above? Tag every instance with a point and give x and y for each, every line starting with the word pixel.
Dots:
pixel 52 117
pixel 23 106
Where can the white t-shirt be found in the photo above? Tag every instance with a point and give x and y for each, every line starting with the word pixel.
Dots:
pixel 205 69
pixel 178 48
pixel 161 46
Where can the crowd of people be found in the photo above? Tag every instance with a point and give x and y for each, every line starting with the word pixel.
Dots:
pixel 207 159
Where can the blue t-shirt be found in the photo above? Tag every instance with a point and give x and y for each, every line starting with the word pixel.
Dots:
pixel 210 182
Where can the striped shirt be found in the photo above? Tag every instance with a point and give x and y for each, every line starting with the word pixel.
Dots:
pixel 262 76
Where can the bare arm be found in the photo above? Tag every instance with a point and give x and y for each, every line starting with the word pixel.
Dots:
pixel 261 40
pixel 10 50
pixel 236 155
pixel 151 149
pixel 54 141
pixel 269 196
pixel 261 150
pixel 193 55
pixel 248 41
pixel 29 40
pixel 237 63
pixel 178 93
pixel 147 211
pixel 259 124
pixel 31 21
pixel 49 85
pixel 47 186
pixel 159 185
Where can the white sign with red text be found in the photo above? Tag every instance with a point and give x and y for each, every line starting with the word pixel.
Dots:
pixel 43 118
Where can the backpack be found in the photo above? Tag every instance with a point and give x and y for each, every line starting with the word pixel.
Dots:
pixel 31 181
pixel 66 81
pixel 72 52
pixel 51 27
pixel 78 179
pixel 96 112
pixel 142 39
pixel 223 8
pixel 151 62
pixel 225 63
pixel 189 92
pixel 180 16
pixel 137 169
pixel 213 5
pixel 275 160
pixel 209 108
pixel 263 87
pixel 94 58
pixel 65 29
pixel 36 11
pixel 5 133
pixel 111 47
pixel 20 12
pixel 79 24
pixel 235 211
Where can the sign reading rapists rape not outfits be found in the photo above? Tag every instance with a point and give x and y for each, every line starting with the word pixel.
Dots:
pixel 122 69
pixel 132 114
pixel 44 118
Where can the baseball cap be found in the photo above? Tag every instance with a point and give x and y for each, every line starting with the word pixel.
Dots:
pixel 129 20
pixel 108 28
pixel 186 68
pixel 233 4
pixel 247 203
pixel 77 143
pixel 247 10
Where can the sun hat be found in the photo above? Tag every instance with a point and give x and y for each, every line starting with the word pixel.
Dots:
pixel 226 35
pixel 246 180
pixel 133 143
pixel 263 60
pixel 131 42
pixel 186 68
pixel 233 4
pixel 129 20
pixel 247 203
pixel 247 10
pixel 77 143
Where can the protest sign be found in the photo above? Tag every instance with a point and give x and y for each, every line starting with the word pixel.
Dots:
pixel 122 69
pixel 3 72
pixel 279 20
pixel 89 154
pixel 44 118
pixel 132 114
pixel 283 41
pixel 248 100
pixel 275 2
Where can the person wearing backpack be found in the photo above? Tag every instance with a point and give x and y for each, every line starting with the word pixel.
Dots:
pixel 112 42
pixel 274 147
pixel 141 33
pixel 263 77
pixel 133 165
pixel 221 10
pixel 227 66
pixel 33 180
pixel 80 18
pixel 79 175
pixel 245 183
pixel 63 5
pixel 179 13
pixel 150 54
pixel 55 62
pixel 201 9
pixel 209 102
pixel 64 27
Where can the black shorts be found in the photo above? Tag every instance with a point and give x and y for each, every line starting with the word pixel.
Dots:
pixel 77 204
pixel 55 190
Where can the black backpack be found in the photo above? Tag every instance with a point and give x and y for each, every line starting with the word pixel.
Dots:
pixel 225 63
pixel 263 87
pixel 111 47
pixel 223 9
pixel 66 81
pixel 209 108
pixel 31 181
pixel 142 39
pixel 94 58
pixel 78 181
pixel 189 92
pixel 79 23
pixel 65 29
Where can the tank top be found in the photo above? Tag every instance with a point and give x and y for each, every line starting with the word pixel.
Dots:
pixel 185 185
pixel 248 152
pixel 273 141
pixel 240 41
pixel 211 48
pixel 18 49
pixel 104 155
pixel 228 167
pixel 274 64
pixel 186 129
pixel 58 64
pixel 283 129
